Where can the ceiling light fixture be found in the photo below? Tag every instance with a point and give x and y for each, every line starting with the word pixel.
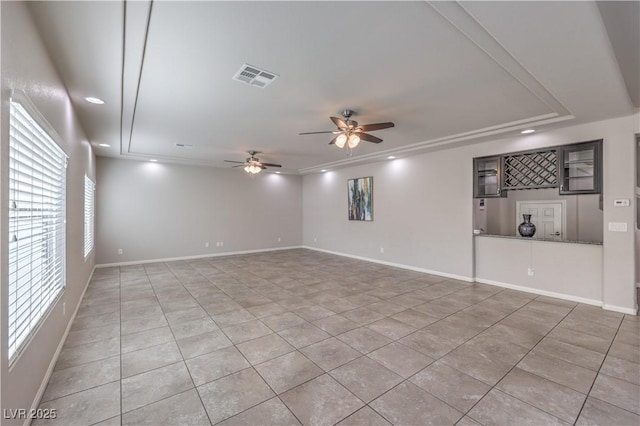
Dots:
pixel 153 160
pixel 93 100
pixel 324 171
pixel 104 145
pixel 277 173
pixel 391 157
pixel 252 168
pixel 527 131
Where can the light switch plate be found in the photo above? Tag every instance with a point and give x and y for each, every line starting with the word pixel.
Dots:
pixel 622 203
pixel 617 227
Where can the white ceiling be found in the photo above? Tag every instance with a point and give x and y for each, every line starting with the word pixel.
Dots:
pixel 444 72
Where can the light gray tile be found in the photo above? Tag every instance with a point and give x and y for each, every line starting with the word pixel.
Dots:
pixel 82 377
pixel 452 386
pixel 264 348
pixel 83 408
pixel 144 323
pixel 364 416
pixel 269 413
pixel 574 354
pixel 181 409
pixel 596 412
pixel 233 394
pixel 497 408
pixel 246 331
pixel 407 404
pixel 82 354
pixel 208 367
pixel 303 335
pixel 366 378
pixel 193 327
pixel 137 362
pixel 559 371
pixel 233 317
pixel 391 328
pixel 176 317
pixel 203 343
pixel 154 385
pixel 331 353
pixel 621 369
pixel 322 401
pixel 401 359
pixel 555 399
pixel 282 321
pixel 617 392
pixel 146 339
pixel 335 324
pixel 288 371
pixel 364 340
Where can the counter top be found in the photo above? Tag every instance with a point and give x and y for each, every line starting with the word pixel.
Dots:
pixel 513 237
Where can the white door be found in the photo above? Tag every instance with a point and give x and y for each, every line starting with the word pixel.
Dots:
pixel 547 216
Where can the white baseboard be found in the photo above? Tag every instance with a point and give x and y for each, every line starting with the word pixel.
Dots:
pixel 197 256
pixel 622 310
pixel 541 292
pixel 396 265
pixel 54 360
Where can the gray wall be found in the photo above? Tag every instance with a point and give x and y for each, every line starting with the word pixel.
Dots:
pixel 26 66
pixel 423 209
pixel 160 210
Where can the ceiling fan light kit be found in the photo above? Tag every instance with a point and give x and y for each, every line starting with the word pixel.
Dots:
pixel 253 165
pixel 349 133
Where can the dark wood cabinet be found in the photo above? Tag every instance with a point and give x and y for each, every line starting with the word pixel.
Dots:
pixel 487 177
pixel 580 168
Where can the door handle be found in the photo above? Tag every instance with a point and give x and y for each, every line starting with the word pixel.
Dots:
pixel 557 234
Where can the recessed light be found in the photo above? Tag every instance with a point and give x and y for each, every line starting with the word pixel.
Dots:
pixel 324 170
pixel 391 157
pixel 153 160
pixel 527 131
pixel 277 173
pixel 93 100
pixel 106 145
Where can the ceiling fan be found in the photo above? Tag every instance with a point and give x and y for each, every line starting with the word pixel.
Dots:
pixel 350 133
pixel 253 165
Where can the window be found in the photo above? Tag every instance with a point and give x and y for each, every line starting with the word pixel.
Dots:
pixel 37 197
pixel 89 191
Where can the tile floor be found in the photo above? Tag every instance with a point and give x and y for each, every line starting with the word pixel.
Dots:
pixel 299 336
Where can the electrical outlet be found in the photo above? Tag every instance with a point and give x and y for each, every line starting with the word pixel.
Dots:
pixel 221 243
pixel 279 239
pixel 530 271
pixel 315 240
pixel 381 249
pixel 206 245
pixel 120 251
pixel 64 308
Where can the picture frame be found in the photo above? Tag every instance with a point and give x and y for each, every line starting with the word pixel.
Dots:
pixel 360 199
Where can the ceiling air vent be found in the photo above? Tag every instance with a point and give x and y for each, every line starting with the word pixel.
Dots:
pixel 255 76
pixel 184 145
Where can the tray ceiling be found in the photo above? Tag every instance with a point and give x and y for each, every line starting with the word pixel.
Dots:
pixel 444 72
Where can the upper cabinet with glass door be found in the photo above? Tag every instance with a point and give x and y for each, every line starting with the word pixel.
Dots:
pixel 487 177
pixel 580 168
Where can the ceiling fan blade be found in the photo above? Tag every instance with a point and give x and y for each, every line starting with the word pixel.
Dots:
pixel 339 122
pixel 316 133
pixel 333 141
pixel 241 165
pixel 375 126
pixel 271 165
pixel 229 161
pixel 369 138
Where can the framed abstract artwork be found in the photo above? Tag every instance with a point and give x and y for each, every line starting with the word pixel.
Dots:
pixel 360 203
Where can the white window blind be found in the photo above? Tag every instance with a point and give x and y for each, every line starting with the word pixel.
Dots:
pixel 37 197
pixel 89 191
